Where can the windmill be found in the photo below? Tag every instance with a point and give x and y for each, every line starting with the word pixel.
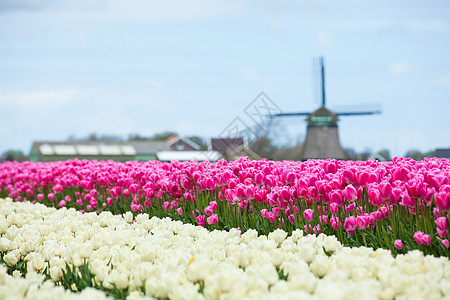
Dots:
pixel 322 137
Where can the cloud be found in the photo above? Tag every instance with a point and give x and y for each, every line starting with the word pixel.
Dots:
pixel 401 68
pixel 323 38
pixel 39 99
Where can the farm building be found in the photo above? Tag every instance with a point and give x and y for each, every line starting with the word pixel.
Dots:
pixel 99 150
pixel 172 149
pixel 232 148
pixel 443 153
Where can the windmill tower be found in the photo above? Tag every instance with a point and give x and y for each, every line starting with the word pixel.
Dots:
pixel 322 136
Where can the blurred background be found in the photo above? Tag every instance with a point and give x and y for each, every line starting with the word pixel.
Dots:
pixel 108 71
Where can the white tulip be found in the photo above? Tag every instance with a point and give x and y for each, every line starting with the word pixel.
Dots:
pixel 4 244
pixel 10 259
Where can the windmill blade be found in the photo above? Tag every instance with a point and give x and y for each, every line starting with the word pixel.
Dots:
pixel 358 110
pixel 289 114
pixel 358 113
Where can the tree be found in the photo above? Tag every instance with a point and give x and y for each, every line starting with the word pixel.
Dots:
pixel 263 147
pixel 162 136
pixel 199 141
pixel 418 155
pixel 13 155
pixel 385 154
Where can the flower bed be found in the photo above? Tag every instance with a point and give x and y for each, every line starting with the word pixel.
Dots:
pixel 399 205
pixel 165 258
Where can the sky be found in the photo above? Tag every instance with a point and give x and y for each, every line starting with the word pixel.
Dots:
pixel 112 67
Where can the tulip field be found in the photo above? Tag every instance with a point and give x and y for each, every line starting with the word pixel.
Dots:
pixel 225 230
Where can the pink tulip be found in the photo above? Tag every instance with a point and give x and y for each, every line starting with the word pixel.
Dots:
pixel 350 224
pixel 362 222
pixel 271 217
pixel 334 222
pixel 51 196
pixel 398 244
pixel 308 214
pixel 334 208
pixel 408 201
pixel 133 188
pixel 441 223
pixel 290 177
pixel 323 219
pixel 213 205
pixel 350 193
pixel 166 205
pixel 441 233
pixel 291 218
pixel 40 197
pixel 375 197
pixel 287 211
pixel 336 197
pixel 350 207
pixel 385 190
pixel 276 211
pixel 93 193
pixel 259 179
pixel 349 176
pixel 62 203
pixel 213 219
pixel 426 239
pixel 316 229
pixel 422 238
pixel 180 211
pixel 201 220
pixel 264 213
pixel 135 207
pixel 443 201
pixel 285 195
pixel 126 193
pixel 436 212
pixel 188 197
pixel 445 243
pixel 209 210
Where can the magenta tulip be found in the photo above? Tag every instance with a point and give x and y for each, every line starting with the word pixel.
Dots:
pixel 291 218
pixel 201 220
pixel 271 217
pixel 308 214
pixel 213 219
pixel 350 193
pixel 208 210
pixel 398 244
pixel 441 223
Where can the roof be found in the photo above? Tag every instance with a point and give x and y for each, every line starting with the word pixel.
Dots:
pixel 48 148
pixel 149 147
pixel 174 139
pixel 222 145
pixel 99 147
pixel 188 155
pixel 443 153
pixel 322 116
